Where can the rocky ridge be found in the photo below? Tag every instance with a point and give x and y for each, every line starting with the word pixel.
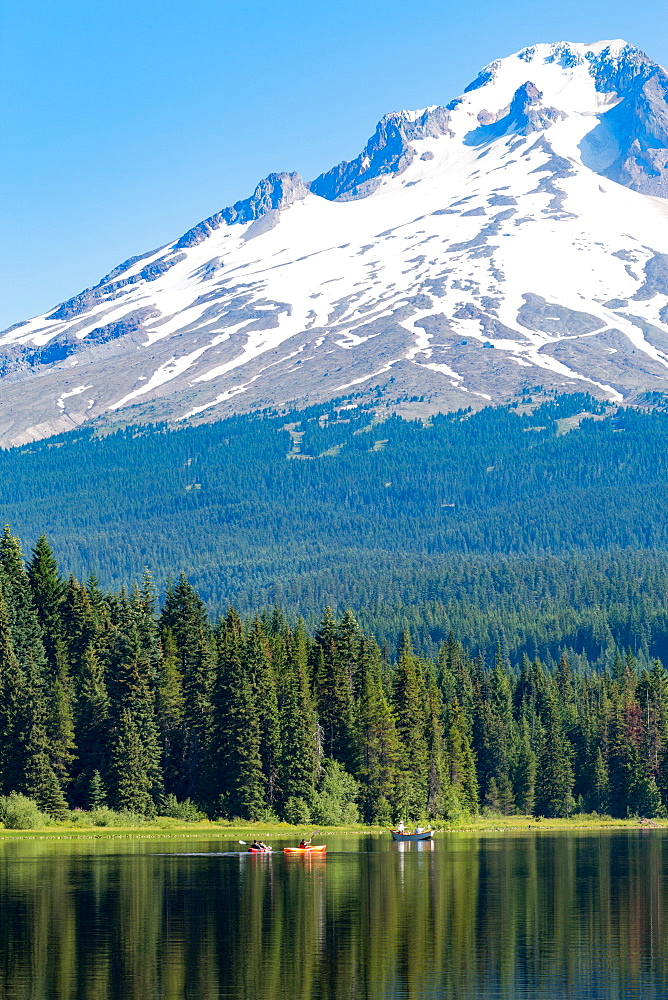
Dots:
pixel 517 236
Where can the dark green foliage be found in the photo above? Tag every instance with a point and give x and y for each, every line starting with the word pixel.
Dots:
pixel 554 791
pixel 113 702
pixel 97 796
pixel 479 523
pixel 300 749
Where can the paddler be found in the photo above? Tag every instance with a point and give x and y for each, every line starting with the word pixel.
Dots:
pixel 303 843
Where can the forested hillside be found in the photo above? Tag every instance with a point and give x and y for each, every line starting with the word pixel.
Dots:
pixel 108 700
pixel 535 529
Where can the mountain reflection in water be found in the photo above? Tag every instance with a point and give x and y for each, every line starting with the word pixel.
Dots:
pixel 564 915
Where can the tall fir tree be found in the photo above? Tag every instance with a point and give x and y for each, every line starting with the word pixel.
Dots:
pixel 410 704
pixel 554 782
pixel 333 688
pixel 185 616
pixel 461 758
pixel 300 746
pixel 379 754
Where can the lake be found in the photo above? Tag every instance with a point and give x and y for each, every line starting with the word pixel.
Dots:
pixel 581 915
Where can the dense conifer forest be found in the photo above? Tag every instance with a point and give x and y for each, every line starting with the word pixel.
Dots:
pixel 535 526
pixel 109 700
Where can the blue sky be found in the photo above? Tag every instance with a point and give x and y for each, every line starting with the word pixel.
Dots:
pixel 125 123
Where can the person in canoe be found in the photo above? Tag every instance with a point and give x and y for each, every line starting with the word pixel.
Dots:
pixel 400 826
pixel 303 843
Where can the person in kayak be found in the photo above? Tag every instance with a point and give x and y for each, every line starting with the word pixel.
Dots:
pixel 305 843
pixel 257 846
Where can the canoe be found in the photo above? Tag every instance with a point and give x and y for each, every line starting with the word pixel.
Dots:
pixel 316 849
pixel 425 835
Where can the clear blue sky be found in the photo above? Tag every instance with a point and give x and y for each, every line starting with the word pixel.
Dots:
pixel 125 123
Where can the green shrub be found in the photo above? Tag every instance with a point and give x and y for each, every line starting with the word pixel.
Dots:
pixel 297 811
pixel 104 816
pixel 334 802
pixel 186 810
pixel 18 812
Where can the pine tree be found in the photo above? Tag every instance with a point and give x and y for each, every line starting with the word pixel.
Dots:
pixel 48 594
pixel 26 630
pixel 525 770
pixel 600 789
pixel 263 683
pixel 437 787
pixel 554 783
pixel 379 751
pixel 237 779
pixel 170 708
pixel 184 615
pixel 25 765
pixel 12 682
pixel 410 712
pixel 130 768
pixel 97 795
pixel 132 689
pixel 300 756
pixel 92 722
pixel 463 776
pixel 333 688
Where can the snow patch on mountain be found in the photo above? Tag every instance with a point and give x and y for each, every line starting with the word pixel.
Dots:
pixel 513 237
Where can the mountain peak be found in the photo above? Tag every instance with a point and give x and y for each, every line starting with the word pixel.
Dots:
pixel 471 250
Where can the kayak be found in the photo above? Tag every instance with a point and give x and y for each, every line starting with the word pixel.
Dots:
pixel 259 850
pixel 316 849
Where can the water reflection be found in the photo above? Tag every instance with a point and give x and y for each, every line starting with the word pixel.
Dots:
pixel 518 916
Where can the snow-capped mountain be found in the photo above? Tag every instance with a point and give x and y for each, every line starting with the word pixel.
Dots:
pixel 514 237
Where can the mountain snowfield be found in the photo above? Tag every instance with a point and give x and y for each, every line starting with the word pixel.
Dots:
pixel 515 237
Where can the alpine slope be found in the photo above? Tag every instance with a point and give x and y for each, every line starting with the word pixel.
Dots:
pixel 513 238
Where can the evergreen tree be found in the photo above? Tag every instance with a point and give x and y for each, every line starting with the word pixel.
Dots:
pixel 463 776
pixel 238 781
pixel 525 770
pixel 25 765
pixel 92 721
pixel 554 783
pixel 333 689
pixel 300 751
pixel 380 754
pixel 410 712
pixel 437 777
pixel 170 705
pixel 263 684
pixel 131 768
pixel 97 795
pixel 184 615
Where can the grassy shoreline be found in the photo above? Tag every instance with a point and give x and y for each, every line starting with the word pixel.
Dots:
pixel 205 829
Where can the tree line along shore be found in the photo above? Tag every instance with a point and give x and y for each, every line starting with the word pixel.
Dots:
pixel 115 706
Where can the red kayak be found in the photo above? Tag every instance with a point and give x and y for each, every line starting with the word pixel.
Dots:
pixel 259 850
pixel 316 849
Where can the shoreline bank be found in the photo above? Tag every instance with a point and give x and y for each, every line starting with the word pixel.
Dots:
pixel 212 830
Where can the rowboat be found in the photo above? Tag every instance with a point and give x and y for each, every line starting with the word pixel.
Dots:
pixel 316 849
pixel 426 835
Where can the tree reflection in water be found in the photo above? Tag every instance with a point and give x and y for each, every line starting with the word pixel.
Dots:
pixel 515 916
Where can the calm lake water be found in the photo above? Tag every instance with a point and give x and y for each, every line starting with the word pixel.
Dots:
pixel 504 916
